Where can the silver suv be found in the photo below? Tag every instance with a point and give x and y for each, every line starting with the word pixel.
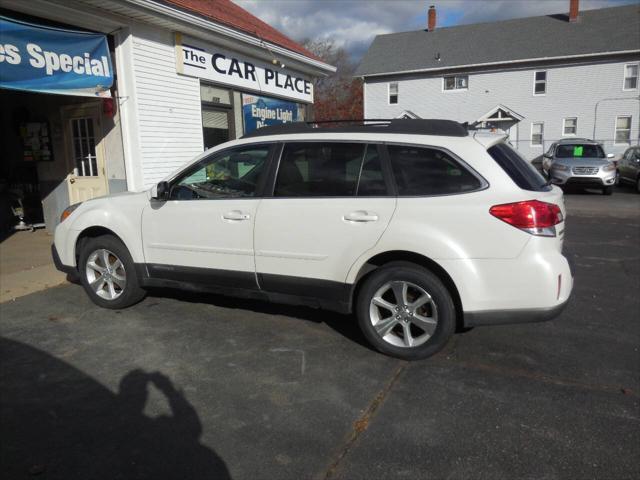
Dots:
pixel 580 162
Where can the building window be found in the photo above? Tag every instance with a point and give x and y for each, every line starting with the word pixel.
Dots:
pixel 570 126
pixel 537 134
pixel 217 115
pixel 630 76
pixel 540 82
pixel 623 130
pixel 393 93
pixel 456 82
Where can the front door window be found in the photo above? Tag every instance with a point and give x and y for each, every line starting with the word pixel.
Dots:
pixel 230 174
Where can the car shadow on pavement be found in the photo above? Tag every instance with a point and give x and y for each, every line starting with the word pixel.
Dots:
pixel 345 325
pixel 58 423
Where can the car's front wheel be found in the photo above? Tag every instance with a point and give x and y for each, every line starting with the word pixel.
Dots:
pixel 607 190
pixel 405 311
pixel 108 273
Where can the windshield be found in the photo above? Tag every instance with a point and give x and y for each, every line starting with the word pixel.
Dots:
pixel 579 150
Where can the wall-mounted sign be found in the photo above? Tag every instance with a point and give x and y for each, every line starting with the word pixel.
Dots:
pixel 258 112
pixel 54 60
pixel 197 59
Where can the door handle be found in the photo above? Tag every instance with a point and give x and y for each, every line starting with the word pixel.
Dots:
pixel 361 216
pixel 236 215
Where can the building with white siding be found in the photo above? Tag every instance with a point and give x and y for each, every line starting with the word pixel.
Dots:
pixel 540 79
pixel 186 76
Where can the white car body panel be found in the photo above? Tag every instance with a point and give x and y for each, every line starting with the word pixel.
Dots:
pixel 120 213
pixel 310 237
pixel 195 233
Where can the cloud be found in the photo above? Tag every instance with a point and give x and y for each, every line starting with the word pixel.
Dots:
pixel 353 24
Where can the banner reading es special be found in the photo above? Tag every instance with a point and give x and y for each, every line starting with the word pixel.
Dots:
pixel 53 60
pixel 200 60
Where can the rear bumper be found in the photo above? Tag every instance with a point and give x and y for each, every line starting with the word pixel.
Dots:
pixel 505 317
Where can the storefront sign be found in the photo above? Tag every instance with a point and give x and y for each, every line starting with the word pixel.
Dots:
pixel 53 60
pixel 199 60
pixel 260 111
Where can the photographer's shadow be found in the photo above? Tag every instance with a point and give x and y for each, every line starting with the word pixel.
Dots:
pixel 59 423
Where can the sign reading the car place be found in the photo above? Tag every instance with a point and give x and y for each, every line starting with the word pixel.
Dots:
pixel 195 59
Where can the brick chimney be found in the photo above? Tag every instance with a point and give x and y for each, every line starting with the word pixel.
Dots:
pixel 574 10
pixel 431 16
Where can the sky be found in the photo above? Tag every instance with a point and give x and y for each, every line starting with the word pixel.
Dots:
pixel 353 24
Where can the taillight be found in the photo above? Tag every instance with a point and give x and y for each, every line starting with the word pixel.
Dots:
pixel 532 216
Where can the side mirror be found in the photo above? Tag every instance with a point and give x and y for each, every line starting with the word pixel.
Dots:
pixel 546 155
pixel 160 191
pixel 610 155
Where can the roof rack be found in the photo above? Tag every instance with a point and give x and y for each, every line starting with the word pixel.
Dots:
pixel 447 128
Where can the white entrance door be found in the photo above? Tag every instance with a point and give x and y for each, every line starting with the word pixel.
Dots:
pixel 86 178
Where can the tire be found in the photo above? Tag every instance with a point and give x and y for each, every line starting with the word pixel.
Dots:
pixel 638 185
pixel 114 287
pixel 607 190
pixel 428 333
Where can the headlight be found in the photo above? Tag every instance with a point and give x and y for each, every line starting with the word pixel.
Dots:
pixel 68 211
pixel 560 167
pixel 609 167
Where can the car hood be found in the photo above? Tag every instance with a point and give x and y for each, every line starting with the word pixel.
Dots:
pixel 582 162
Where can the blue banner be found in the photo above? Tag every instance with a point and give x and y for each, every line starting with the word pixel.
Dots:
pixel 52 60
pixel 259 111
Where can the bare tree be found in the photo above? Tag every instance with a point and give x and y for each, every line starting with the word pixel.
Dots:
pixel 337 96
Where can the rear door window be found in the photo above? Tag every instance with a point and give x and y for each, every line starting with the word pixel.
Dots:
pixel 371 182
pixel 523 174
pixel 421 171
pixel 329 169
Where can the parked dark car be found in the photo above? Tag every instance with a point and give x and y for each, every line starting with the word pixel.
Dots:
pixel 629 167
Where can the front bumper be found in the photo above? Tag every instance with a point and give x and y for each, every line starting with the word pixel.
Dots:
pixel 600 179
pixel 58 263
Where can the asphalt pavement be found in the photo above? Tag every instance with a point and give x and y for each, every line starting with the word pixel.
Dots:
pixel 187 386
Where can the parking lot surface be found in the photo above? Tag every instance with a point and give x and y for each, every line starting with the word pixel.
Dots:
pixel 196 386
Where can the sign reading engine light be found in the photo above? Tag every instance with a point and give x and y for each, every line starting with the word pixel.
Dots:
pixel 196 59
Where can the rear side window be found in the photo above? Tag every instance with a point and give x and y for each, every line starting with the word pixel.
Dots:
pixel 422 171
pixel 523 174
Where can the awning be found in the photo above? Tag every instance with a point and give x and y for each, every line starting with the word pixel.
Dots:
pixel 53 60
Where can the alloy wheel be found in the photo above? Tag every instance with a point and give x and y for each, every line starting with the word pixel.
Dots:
pixel 106 274
pixel 403 314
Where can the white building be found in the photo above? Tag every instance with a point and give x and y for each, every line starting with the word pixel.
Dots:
pixel 540 79
pixel 184 75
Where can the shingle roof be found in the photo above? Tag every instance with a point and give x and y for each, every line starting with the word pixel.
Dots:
pixel 228 13
pixel 605 30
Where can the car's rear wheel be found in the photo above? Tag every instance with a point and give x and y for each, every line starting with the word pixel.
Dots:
pixel 607 190
pixel 405 311
pixel 108 274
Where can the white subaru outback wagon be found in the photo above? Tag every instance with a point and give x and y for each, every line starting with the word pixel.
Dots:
pixel 419 227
